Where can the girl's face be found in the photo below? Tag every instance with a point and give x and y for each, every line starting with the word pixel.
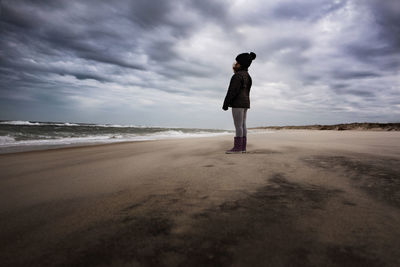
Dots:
pixel 235 66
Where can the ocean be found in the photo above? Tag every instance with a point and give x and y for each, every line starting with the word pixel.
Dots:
pixel 18 136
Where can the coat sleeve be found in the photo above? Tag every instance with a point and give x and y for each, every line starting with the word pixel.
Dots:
pixel 251 83
pixel 233 90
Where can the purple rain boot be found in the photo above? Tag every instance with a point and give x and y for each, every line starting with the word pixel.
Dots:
pixel 244 143
pixel 237 147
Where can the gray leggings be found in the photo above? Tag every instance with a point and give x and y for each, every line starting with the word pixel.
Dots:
pixel 239 119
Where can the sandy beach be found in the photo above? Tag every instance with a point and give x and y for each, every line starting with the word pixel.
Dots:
pixel 297 198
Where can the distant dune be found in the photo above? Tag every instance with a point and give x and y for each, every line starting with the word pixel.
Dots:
pixel 364 126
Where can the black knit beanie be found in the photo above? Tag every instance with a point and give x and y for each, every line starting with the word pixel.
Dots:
pixel 245 59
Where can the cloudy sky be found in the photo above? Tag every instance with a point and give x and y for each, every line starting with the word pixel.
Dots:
pixel 168 62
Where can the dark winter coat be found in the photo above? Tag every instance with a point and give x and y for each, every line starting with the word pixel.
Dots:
pixel 238 95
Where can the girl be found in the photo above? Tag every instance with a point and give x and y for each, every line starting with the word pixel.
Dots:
pixel 238 97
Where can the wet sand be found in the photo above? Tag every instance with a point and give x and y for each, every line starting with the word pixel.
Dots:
pixel 297 198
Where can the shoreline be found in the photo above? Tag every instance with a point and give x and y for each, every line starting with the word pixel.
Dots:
pixel 262 130
pixel 40 147
pixel 297 198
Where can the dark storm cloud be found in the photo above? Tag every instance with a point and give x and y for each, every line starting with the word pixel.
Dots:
pixel 305 10
pixel 368 53
pixel 103 31
pixel 82 76
pixel 387 15
pixel 149 14
pixel 339 86
pixel 384 49
pixel 216 10
pixel 39 69
pixel 161 51
pixel 385 55
pixel 291 10
pixel 361 92
pixel 13 18
pixel 347 75
pixel 49 35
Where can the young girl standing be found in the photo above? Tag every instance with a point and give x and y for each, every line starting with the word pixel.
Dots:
pixel 238 98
